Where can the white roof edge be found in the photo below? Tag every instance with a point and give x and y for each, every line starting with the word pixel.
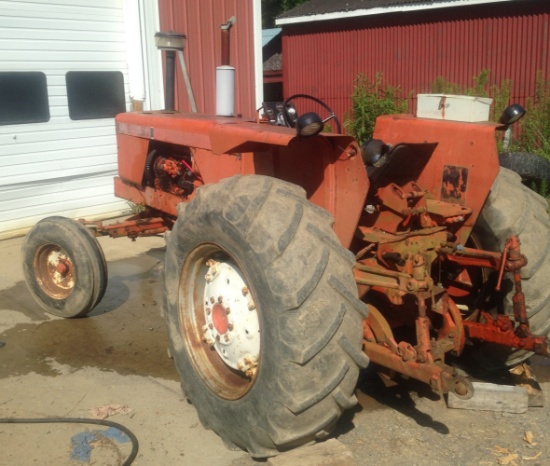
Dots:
pixel 379 11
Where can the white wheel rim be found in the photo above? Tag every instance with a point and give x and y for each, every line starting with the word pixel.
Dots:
pixel 224 348
pixel 232 327
pixel 54 271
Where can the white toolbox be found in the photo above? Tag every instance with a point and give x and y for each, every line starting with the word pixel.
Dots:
pixel 453 107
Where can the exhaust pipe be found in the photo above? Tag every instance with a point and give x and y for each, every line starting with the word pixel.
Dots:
pixel 225 27
pixel 225 75
pixel 225 91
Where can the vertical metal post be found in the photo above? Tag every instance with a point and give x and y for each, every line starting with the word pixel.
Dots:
pixel 170 42
pixel 169 91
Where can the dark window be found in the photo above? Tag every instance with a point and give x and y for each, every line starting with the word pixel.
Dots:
pixel 95 94
pixel 23 97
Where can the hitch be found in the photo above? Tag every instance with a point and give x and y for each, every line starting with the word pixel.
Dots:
pixel 133 227
pixel 501 329
pixel 423 362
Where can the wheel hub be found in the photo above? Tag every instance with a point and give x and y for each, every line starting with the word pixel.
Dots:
pixel 54 271
pixel 219 318
pixel 232 326
pixel 60 270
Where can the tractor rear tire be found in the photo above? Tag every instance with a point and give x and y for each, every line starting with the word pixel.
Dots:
pixel 531 167
pixel 514 209
pixel 262 314
pixel 64 267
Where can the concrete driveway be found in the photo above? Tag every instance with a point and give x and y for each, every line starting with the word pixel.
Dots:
pixel 51 367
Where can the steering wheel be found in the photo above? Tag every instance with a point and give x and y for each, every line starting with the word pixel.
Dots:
pixel 290 116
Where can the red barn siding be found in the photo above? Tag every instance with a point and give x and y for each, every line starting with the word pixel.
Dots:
pixel 413 49
pixel 200 21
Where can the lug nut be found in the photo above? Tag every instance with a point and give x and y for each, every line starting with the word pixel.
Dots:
pixel 251 303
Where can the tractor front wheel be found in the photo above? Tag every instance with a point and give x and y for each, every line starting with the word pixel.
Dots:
pixel 64 267
pixel 262 314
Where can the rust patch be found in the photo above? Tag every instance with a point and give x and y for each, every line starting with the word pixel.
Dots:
pixel 454 184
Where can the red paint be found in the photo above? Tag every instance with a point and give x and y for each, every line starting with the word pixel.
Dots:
pixel 219 319
pixel 329 167
pixel 200 21
pixel 457 144
pixel 413 49
pixel 501 330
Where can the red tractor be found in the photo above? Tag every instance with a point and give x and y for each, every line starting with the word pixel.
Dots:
pixel 295 256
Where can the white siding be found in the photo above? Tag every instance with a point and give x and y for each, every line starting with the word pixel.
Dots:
pixel 61 167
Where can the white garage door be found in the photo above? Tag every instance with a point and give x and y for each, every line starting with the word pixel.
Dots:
pixel 58 152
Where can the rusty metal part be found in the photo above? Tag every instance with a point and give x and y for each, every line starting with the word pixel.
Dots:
pixel 385 280
pixel 378 329
pixel 440 377
pixel 451 336
pixel 223 355
pixel 412 242
pixel 132 227
pixel 512 261
pixel 54 271
pixel 423 325
pixel 158 200
pixel 458 145
pixel 374 275
pixel 169 166
pixel 448 210
pixel 424 362
pixel 225 27
pixel 395 198
pixel 520 313
pixel 399 265
pixel 400 206
pixel 231 323
pixel 500 330
pixel 471 257
pixel 174 176
pixel 454 184
pixel 515 260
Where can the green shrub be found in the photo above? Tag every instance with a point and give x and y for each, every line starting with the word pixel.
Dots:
pixel 533 130
pixel 534 134
pixel 480 88
pixel 369 100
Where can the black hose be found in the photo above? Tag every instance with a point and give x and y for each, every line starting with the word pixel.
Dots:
pixel 69 420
